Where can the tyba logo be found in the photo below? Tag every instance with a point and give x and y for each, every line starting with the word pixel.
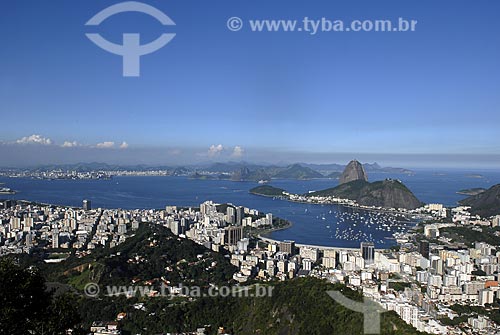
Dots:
pixel 131 50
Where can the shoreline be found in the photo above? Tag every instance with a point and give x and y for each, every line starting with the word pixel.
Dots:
pixel 266 232
pixel 272 230
pixel 265 237
pixel 470 193
pixel 261 235
pixel 360 207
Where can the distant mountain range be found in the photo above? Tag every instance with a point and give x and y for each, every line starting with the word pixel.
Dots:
pixel 369 168
pixel 237 171
pixel 252 172
pixel 354 185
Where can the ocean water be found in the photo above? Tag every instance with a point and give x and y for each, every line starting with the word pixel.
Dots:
pixel 328 225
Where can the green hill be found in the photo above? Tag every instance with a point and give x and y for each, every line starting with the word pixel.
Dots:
pixel 486 203
pixel 388 193
pixel 296 307
pixel 153 252
pixel 267 190
pixel 471 191
pixel 297 171
pixel 351 190
pixel 245 174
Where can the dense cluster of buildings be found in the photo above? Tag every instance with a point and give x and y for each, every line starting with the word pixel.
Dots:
pixel 57 174
pixel 53 174
pixel 25 226
pixel 420 281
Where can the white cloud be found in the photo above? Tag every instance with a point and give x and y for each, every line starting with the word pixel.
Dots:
pixel 215 150
pixel 68 144
pixel 238 151
pixel 124 145
pixel 35 139
pixel 174 152
pixel 105 145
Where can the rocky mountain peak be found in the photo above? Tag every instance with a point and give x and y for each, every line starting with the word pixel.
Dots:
pixel 353 171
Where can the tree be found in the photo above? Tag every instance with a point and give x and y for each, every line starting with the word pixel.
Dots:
pixel 26 307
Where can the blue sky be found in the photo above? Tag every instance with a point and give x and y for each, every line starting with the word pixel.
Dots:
pixel 277 96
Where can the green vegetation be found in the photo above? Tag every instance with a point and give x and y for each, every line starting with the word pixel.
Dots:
pixel 27 307
pixel 478 273
pixel 351 190
pixel 486 203
pixel 399 285
pixel 245 174
pixel 263 230
pixel 199 176
pixel 472 191
pixel 455 321
pixel 152 253
pixel 387 193
pixel 59 255
pixel 299 306
pixel 267 190
pixel 468 310
pixel 468 235
pixel 295 307
pixel 297 171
